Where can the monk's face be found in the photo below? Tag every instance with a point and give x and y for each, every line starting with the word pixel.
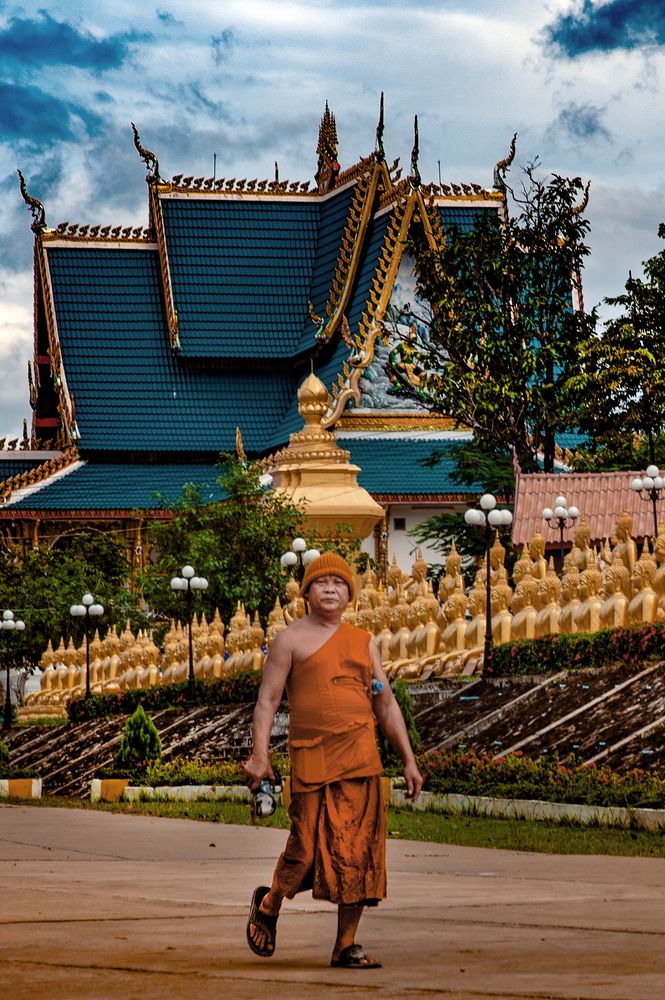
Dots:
pixel 328 594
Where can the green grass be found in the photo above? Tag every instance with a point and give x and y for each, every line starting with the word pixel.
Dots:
pixel 406 824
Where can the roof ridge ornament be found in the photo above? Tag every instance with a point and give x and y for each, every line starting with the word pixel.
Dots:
pixel 414 177
pixel 578 209
pixel 326 148
pixel 35 206
pixel 148 157
pixel 502 167
pixel 378 146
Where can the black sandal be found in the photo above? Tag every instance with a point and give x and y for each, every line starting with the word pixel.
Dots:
pixel 264 921
pixel 354 957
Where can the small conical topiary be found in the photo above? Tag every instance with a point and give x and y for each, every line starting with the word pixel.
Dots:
pixel 140 745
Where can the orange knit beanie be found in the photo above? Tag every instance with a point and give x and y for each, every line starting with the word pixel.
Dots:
pixel 328 564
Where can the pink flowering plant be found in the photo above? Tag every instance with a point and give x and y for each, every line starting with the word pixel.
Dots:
pixel 547 778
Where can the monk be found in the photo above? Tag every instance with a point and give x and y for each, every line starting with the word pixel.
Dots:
pixel 336 689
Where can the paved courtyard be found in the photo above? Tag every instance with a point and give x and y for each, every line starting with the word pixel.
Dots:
pixel 98 906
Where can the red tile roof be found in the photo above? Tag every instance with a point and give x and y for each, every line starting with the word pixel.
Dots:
pixel 600 497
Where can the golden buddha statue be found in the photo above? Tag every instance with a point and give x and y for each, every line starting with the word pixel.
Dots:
pixel 570 601
pixel 295 608
pixel 382 631
pixel 659 557
pixel 625 546
pixel 582 545
pixel 643 607
pixel 547 619
pixel 276 622
pixel 452 577
pixel 537 554
pixel 454 635
pixel 524 612
pixel 587 615
pixel 502 620
pixel 522 567
pixel 614 612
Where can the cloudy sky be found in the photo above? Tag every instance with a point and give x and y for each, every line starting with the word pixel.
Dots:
pixel 246 81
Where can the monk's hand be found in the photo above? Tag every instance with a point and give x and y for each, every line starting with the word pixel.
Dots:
pixel 255 770
pixel 413 779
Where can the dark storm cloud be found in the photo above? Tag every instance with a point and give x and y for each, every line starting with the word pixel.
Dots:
pixel 44 41
pixel 619 24
pixel 28 114
pixel 582 121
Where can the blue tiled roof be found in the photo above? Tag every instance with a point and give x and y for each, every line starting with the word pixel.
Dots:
pixel 115 486
pixel 242 271
pixel 464 218
pixel 131 393
pixel 332 358
pixel 401 465
pixel 16 463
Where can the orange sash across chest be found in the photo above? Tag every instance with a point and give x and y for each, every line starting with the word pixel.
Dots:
pixel 332 726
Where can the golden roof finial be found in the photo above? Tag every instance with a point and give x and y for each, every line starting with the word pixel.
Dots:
pixel 502 166
pixel 240 451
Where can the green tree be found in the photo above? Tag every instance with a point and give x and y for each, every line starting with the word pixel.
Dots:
pixel 621 382
pixel 235 543
pixel 41 585
pixel 403 697
pixel 140 745
pixel 494 339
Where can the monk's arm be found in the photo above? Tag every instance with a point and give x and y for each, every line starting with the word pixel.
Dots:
pixel 392 723
pixel 275 672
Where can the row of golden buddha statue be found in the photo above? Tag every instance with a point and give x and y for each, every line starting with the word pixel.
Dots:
pixel 419 634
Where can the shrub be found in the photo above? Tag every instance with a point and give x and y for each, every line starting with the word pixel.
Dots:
pixel 627 646
pixel 140 745
pixel 389 758
pixel 548 778
pixel 4 754
pixel 239 689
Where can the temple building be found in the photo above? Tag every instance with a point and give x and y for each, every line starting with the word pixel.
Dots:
pixel 154 345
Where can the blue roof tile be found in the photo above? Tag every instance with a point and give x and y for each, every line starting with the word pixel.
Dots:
pixel 404 465
pixel 115 486
pixel 131 393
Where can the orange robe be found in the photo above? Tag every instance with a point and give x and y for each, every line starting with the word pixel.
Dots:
pixel 336 846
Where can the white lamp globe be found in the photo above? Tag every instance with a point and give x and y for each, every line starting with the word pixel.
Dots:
pixel 652 471
pixel 548 513
pixel 8 624
pixel 647 483
pixel 658 483
pixel 19 625
pixel 187 572
pixel 506 517
pixel 560 502
pixel 7 616
pixel 573 513
pixel 310 556
pixel 636 484
pixel 560 512
pixel 77 610
pixel 96 610
pixel 298 544
pixel 488 501
pixel 288 559
pixel 495 518
pixel 87 599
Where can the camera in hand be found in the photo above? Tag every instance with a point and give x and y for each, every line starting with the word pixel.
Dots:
pixel 263 797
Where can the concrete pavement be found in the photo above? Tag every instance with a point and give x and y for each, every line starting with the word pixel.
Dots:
pixel 96 905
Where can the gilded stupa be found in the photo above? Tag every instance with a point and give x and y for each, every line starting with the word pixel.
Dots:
pixel 315 472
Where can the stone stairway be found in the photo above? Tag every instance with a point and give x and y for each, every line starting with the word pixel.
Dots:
pixel 605 716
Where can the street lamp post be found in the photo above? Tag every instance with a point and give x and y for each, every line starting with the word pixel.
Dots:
pixel 488 517
pixel 87 609
pixel 189 582
pixel 299 555
pixel 560 518
pixel 9 624
pixel 649 488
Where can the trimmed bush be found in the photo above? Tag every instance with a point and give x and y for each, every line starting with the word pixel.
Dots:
pixel 140 745
pixel 629 647
pixel 236 690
